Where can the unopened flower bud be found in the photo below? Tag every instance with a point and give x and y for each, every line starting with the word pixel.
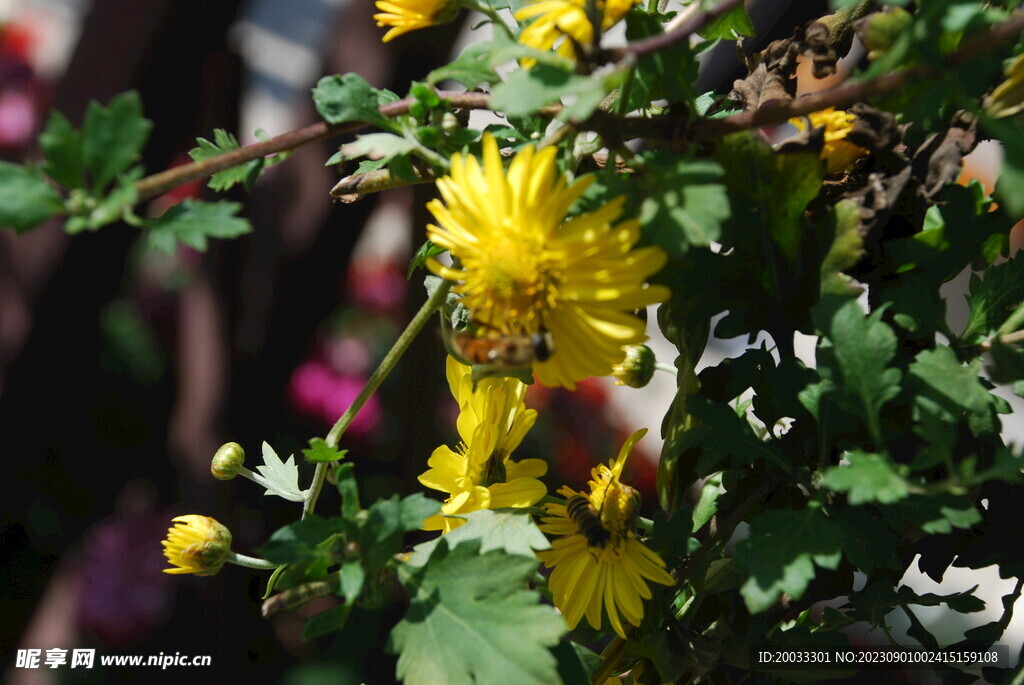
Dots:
pixel 196 544
pixel 227 460
pixel 637 368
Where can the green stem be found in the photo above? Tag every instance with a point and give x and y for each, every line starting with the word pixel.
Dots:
pixel 433 303
pixel 490 13
pixel 250 562
pixel 667 368
pixel 1014 322
pixel 610 659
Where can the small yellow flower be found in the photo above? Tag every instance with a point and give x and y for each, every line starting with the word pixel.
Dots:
pixel 598 562
pixel 837 153
pixel 492 423
pixel 408 15
pixel 196 544
pixel 525 267
pixel 566 21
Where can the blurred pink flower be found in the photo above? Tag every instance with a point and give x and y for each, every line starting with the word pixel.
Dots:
pixel 377 286
pixel 317 390
pixel 17 117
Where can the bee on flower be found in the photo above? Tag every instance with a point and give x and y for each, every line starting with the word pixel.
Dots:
pixel 525 269
pixel 599 565
pixel 837 152
pixel 408 15
pixel 566 23
pixel 479 473
pixel 197 544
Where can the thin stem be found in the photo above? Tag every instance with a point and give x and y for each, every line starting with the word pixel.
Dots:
pixel 433 303
pixel 491 14
pixel 158 184
pixel 610 659
pixel 666 367
pixel 679 33
pixel 250 562
pixel 1014 322
pixel 357 186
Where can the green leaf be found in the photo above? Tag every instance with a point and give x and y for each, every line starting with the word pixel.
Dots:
pixel 867 478
pixel 1011 177
pixel 353 577
pixel 64 149
pixel 386 523
pixel 345 98
pixel 961 602
pixel 510 530
pixel 320 451
pixel 732 25
pixel 191 223
pixel 26 199
pixel 846 250
pixel 938 514
pixel 527 90
pixel 348 490
pixel 114 137
pixel 685 202
pixel 665 74
pixel 470 620
pixel 302 541
pixel 280 478
pixel 326 622
pixel 224 142
pixel 427 251
pixel 863 347
pixel 782 551
pixel 993 299
pixel 956 388
pixel 471 68
pixel 117 205
pixel 577 665
pixel 868 541
pixel 387 145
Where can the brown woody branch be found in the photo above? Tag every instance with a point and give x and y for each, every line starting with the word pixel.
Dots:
pixel 158 184
pixel 774 112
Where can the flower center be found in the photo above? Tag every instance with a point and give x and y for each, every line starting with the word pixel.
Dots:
pixel 514 275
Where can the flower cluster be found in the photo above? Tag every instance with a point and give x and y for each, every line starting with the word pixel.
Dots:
pixel 525 267
pixel 479 473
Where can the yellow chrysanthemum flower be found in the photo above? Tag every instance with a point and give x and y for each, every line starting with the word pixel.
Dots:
pixel 837 153
pixel 524 267
pixel 196 544
pixel 408 15
pixel 566 21
pixel 492 423
pixel 598 562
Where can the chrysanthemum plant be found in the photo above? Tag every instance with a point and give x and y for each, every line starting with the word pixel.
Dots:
pixel 611 184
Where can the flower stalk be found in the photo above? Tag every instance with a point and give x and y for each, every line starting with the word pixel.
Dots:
pixel 433 303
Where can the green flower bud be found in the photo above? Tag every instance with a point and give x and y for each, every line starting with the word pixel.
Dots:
pixel 226 462
pixel 637 368
pixel 880 30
